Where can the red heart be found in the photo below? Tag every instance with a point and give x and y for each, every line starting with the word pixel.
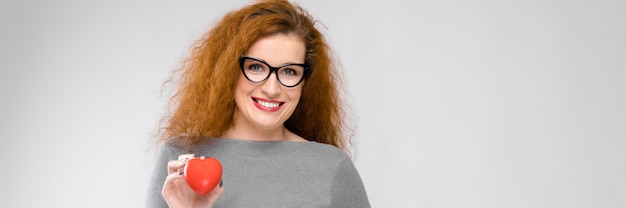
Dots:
pixel 202 175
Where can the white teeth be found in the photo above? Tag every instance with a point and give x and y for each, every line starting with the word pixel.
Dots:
pixel 267 104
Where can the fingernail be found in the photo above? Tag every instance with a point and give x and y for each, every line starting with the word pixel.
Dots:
pixel 221 182
pixel 181 173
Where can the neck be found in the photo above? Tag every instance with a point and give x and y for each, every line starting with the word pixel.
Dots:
pixel 253 133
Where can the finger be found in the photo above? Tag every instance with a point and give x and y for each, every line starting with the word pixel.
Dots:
pixel 169 181
pixel 186 156
pixel 174 176
pixel 174 166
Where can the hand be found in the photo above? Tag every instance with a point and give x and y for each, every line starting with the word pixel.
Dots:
pixel 178 194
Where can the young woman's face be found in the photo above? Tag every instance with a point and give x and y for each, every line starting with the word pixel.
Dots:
pixel 268 104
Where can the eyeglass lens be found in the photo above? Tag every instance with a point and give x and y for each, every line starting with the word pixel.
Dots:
pixel 257 71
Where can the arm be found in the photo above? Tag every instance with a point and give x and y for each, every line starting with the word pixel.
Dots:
pixel 154 198
pixel 348 189
pixel 168 188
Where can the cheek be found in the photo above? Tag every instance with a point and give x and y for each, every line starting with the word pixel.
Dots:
pixel 243 87
pixel 241 91
pixel 295 94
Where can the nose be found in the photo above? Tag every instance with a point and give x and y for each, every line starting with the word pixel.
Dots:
pixel 271 87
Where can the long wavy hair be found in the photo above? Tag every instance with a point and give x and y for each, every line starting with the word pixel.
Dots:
pixel 203 105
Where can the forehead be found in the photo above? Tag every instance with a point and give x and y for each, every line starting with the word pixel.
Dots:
pixel 278 49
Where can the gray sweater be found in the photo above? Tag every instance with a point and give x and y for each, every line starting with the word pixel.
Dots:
pixel 272 174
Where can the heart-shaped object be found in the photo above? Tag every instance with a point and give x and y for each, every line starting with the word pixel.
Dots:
pixel 203 175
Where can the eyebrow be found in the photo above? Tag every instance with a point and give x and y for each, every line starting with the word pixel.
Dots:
pixel 284 64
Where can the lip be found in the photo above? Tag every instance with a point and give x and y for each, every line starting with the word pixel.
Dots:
pixel 263 108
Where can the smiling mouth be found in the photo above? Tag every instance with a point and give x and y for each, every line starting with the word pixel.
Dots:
pixel 267 103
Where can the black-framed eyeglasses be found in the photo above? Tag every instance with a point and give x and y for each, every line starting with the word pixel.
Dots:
pixel 257 71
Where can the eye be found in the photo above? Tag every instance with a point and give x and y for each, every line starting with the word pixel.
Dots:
pixel 255 67
pixel 290 72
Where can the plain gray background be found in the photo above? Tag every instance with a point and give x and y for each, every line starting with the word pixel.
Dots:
pixel 458 103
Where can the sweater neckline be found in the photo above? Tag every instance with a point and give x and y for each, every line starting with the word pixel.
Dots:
pixel 220 139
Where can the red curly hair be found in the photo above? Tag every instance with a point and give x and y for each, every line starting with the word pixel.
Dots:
pixel 203 105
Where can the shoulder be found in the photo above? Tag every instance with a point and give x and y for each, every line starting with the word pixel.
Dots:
pixel 172 148
pixel 326 148
pixel 324 152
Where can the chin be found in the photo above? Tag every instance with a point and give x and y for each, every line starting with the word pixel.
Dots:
pixel 269 126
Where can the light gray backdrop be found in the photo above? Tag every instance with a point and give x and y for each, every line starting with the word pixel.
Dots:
pixel 458 103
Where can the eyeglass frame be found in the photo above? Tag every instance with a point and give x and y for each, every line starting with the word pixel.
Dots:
pixel 306 67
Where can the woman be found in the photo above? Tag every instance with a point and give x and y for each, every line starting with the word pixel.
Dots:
pixel 260 94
